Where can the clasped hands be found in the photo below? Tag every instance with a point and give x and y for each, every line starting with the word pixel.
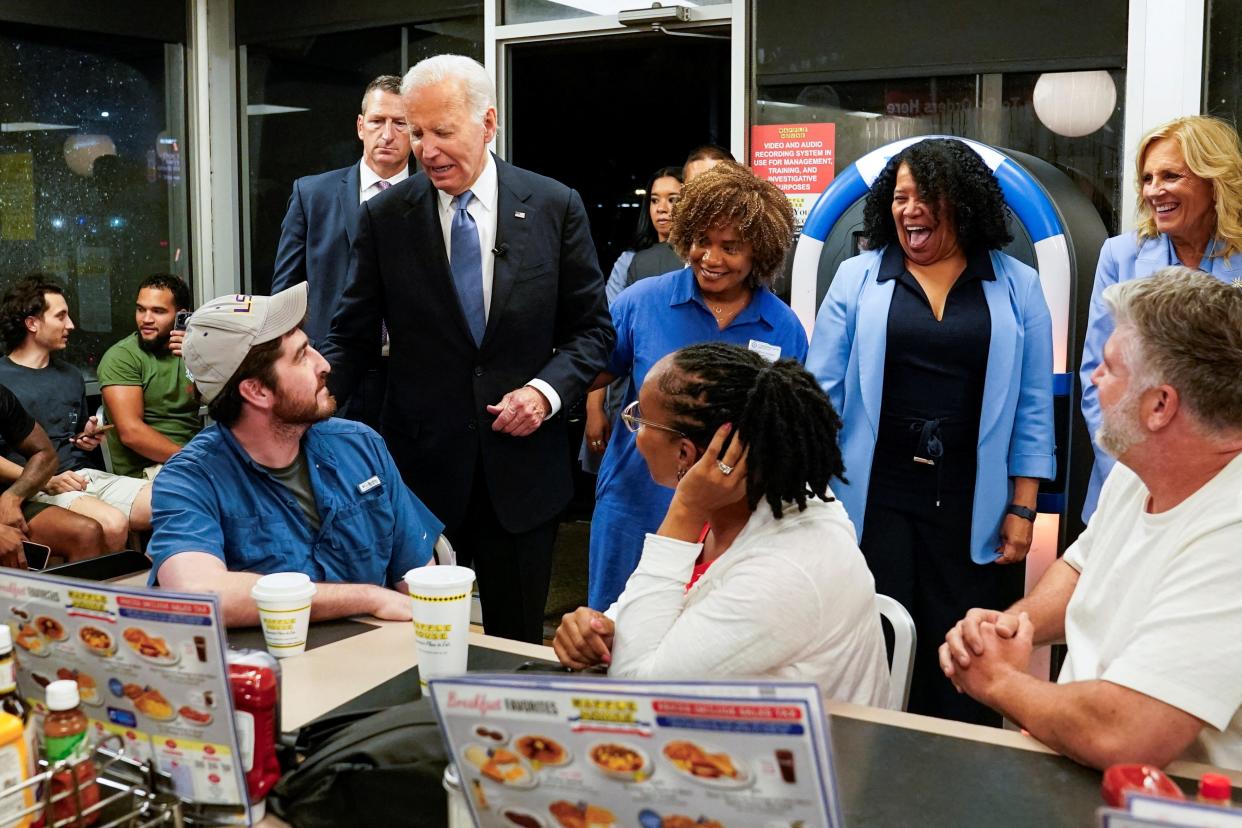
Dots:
pixel 983 649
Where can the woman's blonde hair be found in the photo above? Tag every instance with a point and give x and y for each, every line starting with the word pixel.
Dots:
pixel 1212 152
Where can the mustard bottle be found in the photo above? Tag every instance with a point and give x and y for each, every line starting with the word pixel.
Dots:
pixel 14 770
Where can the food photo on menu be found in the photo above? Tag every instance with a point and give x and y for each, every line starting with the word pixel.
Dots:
pixel 607 763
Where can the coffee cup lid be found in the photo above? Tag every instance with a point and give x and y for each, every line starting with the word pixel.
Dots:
pixel 281 586
pixel 440 577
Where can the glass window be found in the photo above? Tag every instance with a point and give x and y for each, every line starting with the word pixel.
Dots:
pixel 1222 89
pixel 303 97
pixel 995 109
pixel 536 11
pixel 92 185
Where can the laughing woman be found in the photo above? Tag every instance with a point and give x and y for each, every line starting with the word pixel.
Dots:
pixel 937 350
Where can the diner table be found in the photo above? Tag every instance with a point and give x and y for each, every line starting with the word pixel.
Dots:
pixel 893 768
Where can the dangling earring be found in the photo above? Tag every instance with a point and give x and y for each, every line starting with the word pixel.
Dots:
pixel 681 473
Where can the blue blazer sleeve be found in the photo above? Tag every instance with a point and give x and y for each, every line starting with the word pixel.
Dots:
pixel 1099 329
pixel 1032 446
pixel 290 268
pixel 832 338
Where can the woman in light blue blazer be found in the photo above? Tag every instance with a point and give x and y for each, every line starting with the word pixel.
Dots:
pixel 937 350
pixel 1189 213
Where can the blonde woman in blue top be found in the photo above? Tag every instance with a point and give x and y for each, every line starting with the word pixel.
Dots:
pixel 937 350
pixel 1189 213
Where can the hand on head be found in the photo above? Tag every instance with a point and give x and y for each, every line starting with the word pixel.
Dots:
pixel 717 478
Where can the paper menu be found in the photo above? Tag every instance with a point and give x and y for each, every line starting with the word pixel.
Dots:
pixel 543 752
pixel 149 665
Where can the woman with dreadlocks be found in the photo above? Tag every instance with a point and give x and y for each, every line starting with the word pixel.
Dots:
pixel 734 229
pixel 754 570
pixel 937 350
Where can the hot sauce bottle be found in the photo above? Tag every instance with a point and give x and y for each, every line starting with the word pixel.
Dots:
pixel 255 681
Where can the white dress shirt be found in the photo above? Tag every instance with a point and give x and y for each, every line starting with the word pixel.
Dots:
pixel 368 178
pixel 483 209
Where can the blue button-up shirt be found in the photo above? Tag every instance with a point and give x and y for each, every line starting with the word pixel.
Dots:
pixel 212 497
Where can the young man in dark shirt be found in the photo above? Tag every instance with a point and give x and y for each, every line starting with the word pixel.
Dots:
pixel 70 535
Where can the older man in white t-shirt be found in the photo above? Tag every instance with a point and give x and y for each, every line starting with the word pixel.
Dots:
pixel 1149 599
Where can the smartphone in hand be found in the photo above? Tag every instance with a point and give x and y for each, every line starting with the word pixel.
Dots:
pixel 181 319
pixel 98 430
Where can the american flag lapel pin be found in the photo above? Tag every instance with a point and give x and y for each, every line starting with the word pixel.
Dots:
pixel 519 214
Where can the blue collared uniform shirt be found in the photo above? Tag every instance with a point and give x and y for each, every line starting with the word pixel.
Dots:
pixel 212 497
pixel 653 318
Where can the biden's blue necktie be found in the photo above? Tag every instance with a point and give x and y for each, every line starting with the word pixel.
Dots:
pixel 467 264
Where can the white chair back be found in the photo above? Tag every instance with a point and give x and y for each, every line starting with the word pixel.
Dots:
pixel 901 669
pixel 100 419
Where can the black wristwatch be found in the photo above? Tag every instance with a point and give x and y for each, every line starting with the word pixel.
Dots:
pixel 1021 511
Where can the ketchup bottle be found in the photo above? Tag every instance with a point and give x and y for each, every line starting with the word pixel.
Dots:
pixel 64 738
pixel 255 681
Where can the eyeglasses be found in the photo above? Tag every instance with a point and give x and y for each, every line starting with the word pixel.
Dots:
pixel 632 418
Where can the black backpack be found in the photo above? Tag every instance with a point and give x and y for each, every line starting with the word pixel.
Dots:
pixel 380 767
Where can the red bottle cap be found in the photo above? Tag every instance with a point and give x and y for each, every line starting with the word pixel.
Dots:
pixel 1215 786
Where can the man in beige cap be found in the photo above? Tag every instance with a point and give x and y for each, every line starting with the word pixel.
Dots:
pixel 277 485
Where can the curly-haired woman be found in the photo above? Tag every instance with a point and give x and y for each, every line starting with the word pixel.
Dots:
pixel 937 350
pixel 734 229
pixel 754 570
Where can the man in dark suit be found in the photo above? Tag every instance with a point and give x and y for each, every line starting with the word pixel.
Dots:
pixel 490 286
pixel 319 225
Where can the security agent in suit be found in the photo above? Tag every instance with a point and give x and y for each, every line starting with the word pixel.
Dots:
pixel 318 229
pixel 489 283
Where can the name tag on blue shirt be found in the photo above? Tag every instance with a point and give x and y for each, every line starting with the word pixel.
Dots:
pixel 766 350
pixel 367 485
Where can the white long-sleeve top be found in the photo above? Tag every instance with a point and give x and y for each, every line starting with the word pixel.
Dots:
pixel 790 599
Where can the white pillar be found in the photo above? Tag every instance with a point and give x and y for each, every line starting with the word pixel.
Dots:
pixel 213 166
pixel 1164 77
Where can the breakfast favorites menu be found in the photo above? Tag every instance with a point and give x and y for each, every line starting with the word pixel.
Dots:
pixel 149 666
pixel 543 752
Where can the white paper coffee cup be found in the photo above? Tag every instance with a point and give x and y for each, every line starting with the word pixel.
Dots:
pixel 284 600
pixel 440 604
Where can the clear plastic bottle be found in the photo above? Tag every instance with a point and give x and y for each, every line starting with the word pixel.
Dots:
pixel 64 738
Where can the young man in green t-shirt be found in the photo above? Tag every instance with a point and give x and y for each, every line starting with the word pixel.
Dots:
pixel 146 391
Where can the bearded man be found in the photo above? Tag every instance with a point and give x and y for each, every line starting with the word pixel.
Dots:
pixel 278 484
